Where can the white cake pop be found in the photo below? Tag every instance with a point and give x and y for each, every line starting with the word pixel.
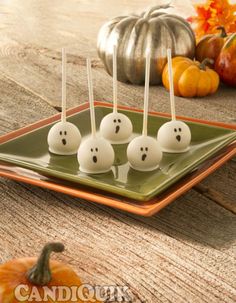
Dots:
pixel 173 136
pixel 143 152
pixel 95 154
pixel 64 137
pixel 116 127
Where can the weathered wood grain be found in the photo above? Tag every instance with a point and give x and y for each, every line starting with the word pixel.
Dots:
pixel 19 107
pixel 44 67
pixel 57 24
pixel 186 253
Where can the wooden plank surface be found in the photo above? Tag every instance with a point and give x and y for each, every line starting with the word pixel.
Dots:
pixel 43 66
pixel 186 253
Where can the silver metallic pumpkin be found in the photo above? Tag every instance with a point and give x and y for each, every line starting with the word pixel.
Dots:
pixel 134 35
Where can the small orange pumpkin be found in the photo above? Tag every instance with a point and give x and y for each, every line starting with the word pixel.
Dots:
pixel 191 78
pixel 210 46
pixel 31 272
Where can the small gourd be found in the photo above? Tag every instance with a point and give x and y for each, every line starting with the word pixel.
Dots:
pixel 225 64
pixel 31 272
pixel 191 78
pixel 210 46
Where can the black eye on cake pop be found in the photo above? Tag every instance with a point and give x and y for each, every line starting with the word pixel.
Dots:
pixel 95 159
pixel 114 120
pixel 65 133
pixel 63 141
pixel 119 120
pixel 143 156
pixel 178 137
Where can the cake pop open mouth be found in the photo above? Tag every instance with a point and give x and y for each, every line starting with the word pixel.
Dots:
pixel 63 141
pixel 95 159
pixel 178 138
pixel 144 156
pixel 117 129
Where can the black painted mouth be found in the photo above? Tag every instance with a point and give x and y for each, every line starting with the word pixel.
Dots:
pixel 178 138
pixel 95 159
pixel 117 129
pixel 144 156
pixel 64 141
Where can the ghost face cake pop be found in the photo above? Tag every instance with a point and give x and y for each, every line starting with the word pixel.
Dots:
pixel 64 137
pixel 143 152
pixel 95 154
pixel 173 136
pixel 116 127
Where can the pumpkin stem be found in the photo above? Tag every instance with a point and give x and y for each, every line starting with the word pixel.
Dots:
pixel 155 8
pixel 204 63
pixel 40 274
pixel 223 33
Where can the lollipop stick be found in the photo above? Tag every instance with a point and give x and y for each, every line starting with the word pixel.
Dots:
pixel 114 79
pixel 171 83
pixel 146 94
pixel 91 99
pixel 63 101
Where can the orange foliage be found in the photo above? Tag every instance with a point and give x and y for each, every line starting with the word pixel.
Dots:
pixel 212 14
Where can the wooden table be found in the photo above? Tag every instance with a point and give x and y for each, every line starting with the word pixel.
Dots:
pixel 186 253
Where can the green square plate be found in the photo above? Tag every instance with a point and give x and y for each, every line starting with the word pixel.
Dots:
pixel 30 150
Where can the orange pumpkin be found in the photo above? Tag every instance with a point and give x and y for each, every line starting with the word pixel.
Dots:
pixel 35 274
pixel 191 78
pixel 210 46
pixel 226 62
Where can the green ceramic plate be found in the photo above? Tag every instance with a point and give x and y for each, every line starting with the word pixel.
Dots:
pixel 31 151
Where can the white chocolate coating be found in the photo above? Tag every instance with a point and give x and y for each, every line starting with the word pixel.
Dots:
pixel 95 155
pixel 116 128
pixel 64 139
pixel 174 137
pixel 144 153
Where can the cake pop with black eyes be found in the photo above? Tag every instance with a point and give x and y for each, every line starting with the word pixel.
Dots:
pixel 143 152
pixel 174 136
pixel 64 137
pixel 95 154
pixel 116 127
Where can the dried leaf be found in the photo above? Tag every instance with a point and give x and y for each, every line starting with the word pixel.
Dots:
pixel 212 14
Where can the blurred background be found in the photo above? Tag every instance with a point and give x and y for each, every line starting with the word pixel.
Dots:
pixel 75 23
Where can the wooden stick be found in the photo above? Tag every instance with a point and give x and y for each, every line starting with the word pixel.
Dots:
pixel 171 84
pixel 115 79
pixel 91 98
pixel 63 101
pixel 146 94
